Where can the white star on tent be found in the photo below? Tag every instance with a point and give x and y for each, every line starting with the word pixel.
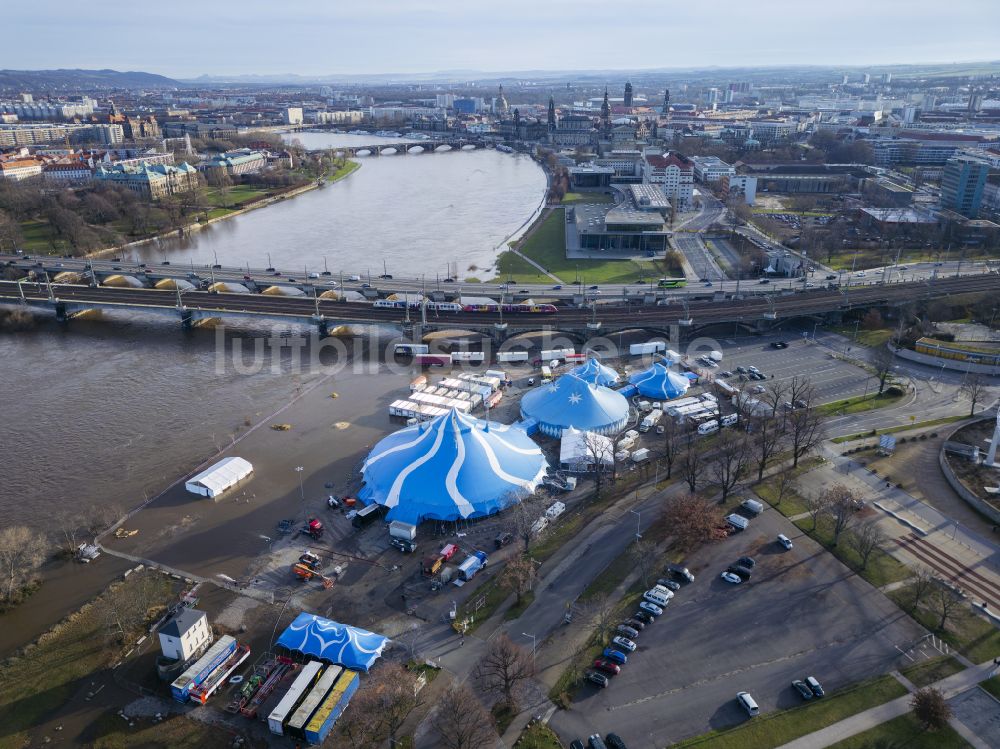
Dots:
pixel 553 387
pixel 574 399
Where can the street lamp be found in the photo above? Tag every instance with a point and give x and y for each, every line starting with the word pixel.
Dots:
pixel 638 518
pixel 532 647
pixel 302 491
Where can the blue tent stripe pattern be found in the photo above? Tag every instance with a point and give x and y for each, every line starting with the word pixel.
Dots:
pixel 660 382
pixel 596 373
pixel 452 467
pixel 327 640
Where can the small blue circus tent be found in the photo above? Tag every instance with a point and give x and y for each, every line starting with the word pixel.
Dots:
pixel 660 382
pixel 573 402
pixel 596 373
pixel 326 640
pixel 452 467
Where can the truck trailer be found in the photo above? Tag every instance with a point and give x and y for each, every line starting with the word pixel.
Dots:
pixel 332 707
pixel 201 669
pixel 471 565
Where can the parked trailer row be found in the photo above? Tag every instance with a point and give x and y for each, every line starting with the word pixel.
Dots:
pixel 295 694
pixel 201 669
pixel 300 718
pixel 217 678
pixel 332 707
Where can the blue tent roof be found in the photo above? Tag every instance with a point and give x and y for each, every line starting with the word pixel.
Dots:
pixel 333 642
pixel 572 402
pixel 455 466
pixel 594 372
pixel 660 382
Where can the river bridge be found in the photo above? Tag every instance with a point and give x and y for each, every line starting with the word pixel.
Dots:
pixel 673 317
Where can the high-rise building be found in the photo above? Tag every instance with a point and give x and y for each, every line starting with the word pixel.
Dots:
pixel 975 102
pixel 867 78
pixel 628 93
pixel 962 185
pixel 666 102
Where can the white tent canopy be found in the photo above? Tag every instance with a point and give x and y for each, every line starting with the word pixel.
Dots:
pixel 216 479
pixel 579 451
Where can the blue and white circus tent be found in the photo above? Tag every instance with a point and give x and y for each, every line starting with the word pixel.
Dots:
pixel 594 372
pixel 331 641
pixel 660 382
pixel 452 467
pixel 573 402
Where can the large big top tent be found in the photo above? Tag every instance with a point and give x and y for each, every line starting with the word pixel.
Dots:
pixel 572 402
pixel 330 641
pixel 595 372
pixel 659 381
pixel 455 466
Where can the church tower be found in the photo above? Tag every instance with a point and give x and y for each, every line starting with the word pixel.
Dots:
pixel 628 93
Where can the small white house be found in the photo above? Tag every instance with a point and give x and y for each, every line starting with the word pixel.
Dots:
pixel 214 480
pixel 185 633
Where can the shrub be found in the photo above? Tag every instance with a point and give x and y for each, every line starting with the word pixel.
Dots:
pixel 901 440
pixel 899 485
pixel 933 435
pixel 894 390
pixel 923 437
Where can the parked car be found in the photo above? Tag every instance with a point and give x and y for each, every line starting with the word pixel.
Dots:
pixel 748 703
pixel 624 643
pixel 815 686
pixel 740 571
pixel 614 741
pixel 405 545
pixel 681 572
pixel 779 344
pixel 759 389
pixel 831 277
pixel 503 539
pixel 636 624
pixel 576 744
pixel 765 280
pixel 803 689
pixel 627 631
pixel 644 617
pixel 729 577
pixel 748 562
pixel 595 742
pixel 615 655
pixel 799 403
pixel 784 541
pixel 725 373
pixel 741 370
pixel 669 584
pixel 612 668
pixel 598 678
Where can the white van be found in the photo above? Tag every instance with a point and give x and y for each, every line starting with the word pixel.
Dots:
pixel 753 506
pixel 709 427
pixel 738 522
pixel 747 703
pixel 658 595
pixel 729 420
pixel 645 406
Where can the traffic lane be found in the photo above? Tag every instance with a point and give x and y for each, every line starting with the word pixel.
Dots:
pixel 802 614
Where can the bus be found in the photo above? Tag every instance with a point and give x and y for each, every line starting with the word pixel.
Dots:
pixel 672 283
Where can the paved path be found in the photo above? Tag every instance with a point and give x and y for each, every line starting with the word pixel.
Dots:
pixel 863 721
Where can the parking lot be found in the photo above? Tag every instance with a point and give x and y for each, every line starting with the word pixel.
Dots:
pixel 802 614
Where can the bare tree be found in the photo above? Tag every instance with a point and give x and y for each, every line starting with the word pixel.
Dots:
pixel 22 551
pixel 800 389
pixel 816 506
pixel 882 361
pixel 976 389
pixel 693 467
pixel 601 611
pixel 518 576
pixel 921 585
pixel 524 514
pixel 461 721
pixel 768 440
pixel 599 454
pixel 775 395
pixel 946 603
pixel 394 697
pixel 867 540
pixel 842 504
pixel 672 433
pixel 805 432
pixel 504 669
pixel 931 708
pixel 126 606
pixel 71 529
pixel 692 520
pixel 642 554
pixel 729 462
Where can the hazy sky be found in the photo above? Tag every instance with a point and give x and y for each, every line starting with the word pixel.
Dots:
pixel 314 37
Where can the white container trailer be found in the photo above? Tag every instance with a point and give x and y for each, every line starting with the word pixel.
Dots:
pixel 512 356
pixel 650 347
pixel 640 455
pixel 557 353
pixel 651 419
pixel 399 529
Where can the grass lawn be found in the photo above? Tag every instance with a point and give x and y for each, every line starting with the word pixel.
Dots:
pixel 348 168
pixel 972 636
pixel 518 608
pixel 904 731
pixel 538 736
pixel 586 197
pixel 900 428
pixel 792 503
pixel 547 247
pixel 777 728
pixel 38 237
pixel 33 687
pixel 844 259
pixel 492 594
pixel 935 669
pixel 992 686
pixel 882 568
pixel 859 404
pixel 872 338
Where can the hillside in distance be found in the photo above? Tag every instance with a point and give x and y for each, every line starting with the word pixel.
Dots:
pixel 70 79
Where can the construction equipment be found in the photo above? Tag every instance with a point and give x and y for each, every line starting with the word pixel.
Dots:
pixel 313 528
pixel 306 573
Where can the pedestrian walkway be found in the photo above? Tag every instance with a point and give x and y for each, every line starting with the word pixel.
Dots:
pixel 863 721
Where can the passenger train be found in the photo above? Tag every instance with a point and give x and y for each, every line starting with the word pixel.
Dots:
pixel 455 307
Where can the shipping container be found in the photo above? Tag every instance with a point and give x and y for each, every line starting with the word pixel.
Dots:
pixel 650 347
pixel 557 353
pixel 399 529
pixel 512 356
pixel 366 515
pixel 297 723
pixel 295 694
pixel 476 357
pixel 332 707
pixel 214 657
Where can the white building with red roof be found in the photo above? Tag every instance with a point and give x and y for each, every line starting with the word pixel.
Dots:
pixel 675 173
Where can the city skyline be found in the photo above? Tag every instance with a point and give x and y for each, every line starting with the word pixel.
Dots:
pixel 390 36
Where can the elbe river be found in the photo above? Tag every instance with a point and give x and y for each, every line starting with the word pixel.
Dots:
pixel 108 411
